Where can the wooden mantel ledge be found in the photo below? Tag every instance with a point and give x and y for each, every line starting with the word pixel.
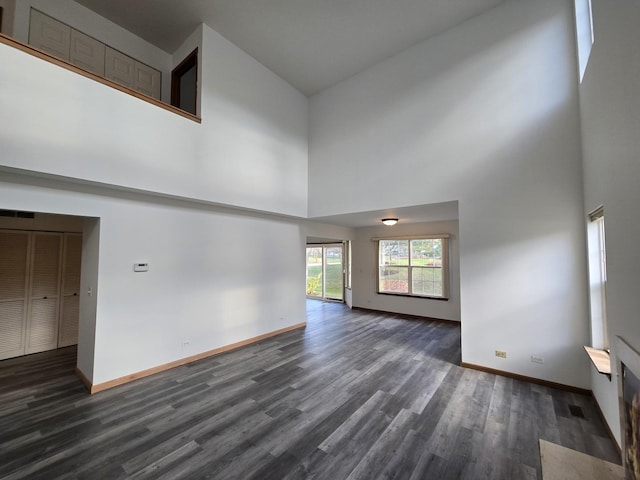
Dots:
pixel 600 359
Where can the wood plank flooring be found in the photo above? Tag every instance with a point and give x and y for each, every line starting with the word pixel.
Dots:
pixel 355 395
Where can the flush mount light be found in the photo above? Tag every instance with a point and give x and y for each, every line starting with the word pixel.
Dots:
pixel 389 221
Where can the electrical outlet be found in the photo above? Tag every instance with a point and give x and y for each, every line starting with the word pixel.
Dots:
pixel 186 343
pixel 537 359
pixel 501 354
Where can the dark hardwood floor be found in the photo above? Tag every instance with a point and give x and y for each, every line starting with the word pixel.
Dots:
pixel 355 395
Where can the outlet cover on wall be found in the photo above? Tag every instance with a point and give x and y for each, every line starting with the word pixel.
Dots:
pixel 501 354
pixel 537 359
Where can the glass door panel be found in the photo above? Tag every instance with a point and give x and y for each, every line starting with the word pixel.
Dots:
pixel 325 267
pixel 314 272
pixel 333 276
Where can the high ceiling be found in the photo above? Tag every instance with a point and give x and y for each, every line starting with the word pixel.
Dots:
pixel 312 44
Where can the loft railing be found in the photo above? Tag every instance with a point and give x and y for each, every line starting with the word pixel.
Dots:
pixel 4 39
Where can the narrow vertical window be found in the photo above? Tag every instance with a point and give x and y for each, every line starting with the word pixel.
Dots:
pixel 598 279
pixel 348 264
pixel 584 33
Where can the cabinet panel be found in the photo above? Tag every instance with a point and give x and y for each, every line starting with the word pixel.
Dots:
pixel 46 265
pixel 14 267
pixel 42 333
pixel 14 251
pixel 147 80
pixel 86 52
pixel 50 35
pixel 70 300
pixel 42 315
pixel 119 67
pixel 12 326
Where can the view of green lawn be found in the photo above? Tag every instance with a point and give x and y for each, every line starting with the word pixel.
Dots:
pixel 333 284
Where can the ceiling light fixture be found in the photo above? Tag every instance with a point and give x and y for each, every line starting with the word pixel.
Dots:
pixel 389 221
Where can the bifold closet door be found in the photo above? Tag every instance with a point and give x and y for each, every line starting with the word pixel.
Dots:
pixel 14 264
pixel 70 299
pixel 42 318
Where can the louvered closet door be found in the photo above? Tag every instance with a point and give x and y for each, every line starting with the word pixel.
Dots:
pixel 70 301
pixel 14 261
pixel 42 321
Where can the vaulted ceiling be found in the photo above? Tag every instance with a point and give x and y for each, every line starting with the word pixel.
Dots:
pixel 312 44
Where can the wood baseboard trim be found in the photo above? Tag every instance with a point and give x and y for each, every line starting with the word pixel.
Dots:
pixel 524 378
pixel 83 378
pixel 406 315
pixel 183 361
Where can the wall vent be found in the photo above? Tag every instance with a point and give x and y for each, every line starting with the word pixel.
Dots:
pixel 16 214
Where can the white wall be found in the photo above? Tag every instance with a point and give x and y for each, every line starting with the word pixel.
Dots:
pixel 486 114
pixel 215 276
pixel 365 256
pixel 89 293
pixel 98 27
pixel 610 102
pixel 250 151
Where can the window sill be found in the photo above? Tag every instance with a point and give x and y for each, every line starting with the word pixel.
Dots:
pixel 445 299
pixel 600 359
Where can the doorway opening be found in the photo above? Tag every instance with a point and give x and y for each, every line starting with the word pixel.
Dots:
pixel 47 262
pixel 325 272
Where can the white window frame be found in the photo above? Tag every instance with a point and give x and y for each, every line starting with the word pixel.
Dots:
pixel 597 262
pixel 445 265
pixel 348 267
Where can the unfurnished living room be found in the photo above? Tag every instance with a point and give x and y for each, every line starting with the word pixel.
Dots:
pixel 313 239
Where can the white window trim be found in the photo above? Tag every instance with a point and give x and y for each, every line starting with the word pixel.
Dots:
pixel 445 265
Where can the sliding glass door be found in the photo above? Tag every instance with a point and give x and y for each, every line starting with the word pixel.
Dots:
pixel 325 271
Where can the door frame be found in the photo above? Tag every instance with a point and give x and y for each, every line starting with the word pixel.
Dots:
pixel 324 247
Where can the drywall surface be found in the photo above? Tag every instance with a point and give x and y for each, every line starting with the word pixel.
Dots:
pixel 98 27
pixel 215 277
pixel 254 130
pixel 88 294
pixel 610 102
pixel 365 267
pixel 250 150
pixel 486 114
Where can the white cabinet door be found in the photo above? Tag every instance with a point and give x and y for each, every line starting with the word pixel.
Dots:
pixel 70 298
pixel 50 35
pixel 119 67
pixel 14 264
pixel 42 319
pixel 86 52
pixel 147 80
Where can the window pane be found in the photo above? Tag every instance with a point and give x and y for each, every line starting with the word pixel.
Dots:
pixel 333 270
pixel 314 271
pixel 394 279
pixel 426 252
pixel 427 281
pixel 394 252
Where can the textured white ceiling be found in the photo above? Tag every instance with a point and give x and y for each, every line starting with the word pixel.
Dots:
pixel 312 44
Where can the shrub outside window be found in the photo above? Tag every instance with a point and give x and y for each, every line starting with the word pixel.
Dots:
pixel 416 266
